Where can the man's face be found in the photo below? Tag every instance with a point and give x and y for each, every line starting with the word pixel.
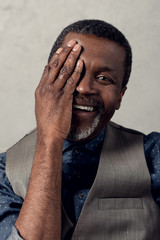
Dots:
pixel 99 91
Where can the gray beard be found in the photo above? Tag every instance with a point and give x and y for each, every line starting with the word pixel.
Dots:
pixel 80 134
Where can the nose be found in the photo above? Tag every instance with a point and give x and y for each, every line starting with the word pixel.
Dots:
pixel 86 85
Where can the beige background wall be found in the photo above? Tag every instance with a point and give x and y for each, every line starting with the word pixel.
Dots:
pixel 29 27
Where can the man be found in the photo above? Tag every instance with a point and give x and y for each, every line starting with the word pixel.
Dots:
pixel 98 169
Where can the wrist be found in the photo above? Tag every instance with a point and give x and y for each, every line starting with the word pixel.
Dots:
pixel 48 147
pixel 49 139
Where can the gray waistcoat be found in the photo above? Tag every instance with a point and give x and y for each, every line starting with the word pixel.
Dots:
pixel 119 205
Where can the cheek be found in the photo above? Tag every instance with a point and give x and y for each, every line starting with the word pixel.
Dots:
pixel 110 99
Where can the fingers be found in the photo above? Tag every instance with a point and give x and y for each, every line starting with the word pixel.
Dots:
pixel 44 76
pixel 63 70
pixel 68 67
pixel 52 69
pixel 57 61
pixel 74 78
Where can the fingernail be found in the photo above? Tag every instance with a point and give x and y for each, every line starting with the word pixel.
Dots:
pixel 76 47
pixel 71 43
pixel 59 50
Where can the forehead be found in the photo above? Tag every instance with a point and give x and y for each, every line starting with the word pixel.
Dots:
pixel 99 49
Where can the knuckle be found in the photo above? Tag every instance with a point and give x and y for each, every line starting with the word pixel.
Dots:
pixel 37 92
pixel 65 49
pixel 46 68
pixel 54 64
pixel 42 91
pixel 77 72
pixel 64 70
pixel 72 57
pixel 70 80
pixel 45 71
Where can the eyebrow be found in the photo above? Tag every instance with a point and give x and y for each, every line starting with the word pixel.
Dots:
pixel 106 69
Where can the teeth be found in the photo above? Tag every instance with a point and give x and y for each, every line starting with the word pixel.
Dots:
pixel 86 108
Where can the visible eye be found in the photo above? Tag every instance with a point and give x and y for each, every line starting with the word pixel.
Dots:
pixel 105 79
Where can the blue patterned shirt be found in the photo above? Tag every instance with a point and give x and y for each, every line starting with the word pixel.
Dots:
pixel 80 162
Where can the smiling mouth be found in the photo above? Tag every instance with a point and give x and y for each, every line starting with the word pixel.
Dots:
pixel 83 108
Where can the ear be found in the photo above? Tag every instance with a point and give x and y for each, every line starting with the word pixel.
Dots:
pixel 120 98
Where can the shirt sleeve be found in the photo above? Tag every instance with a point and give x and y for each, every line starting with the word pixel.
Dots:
pixel 152 154
pixel 10 204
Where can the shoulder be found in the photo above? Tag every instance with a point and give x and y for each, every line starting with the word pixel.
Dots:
pixel 29 139
pixel 153 137
pixel 152 143
pixel 124 129
pixel 152 153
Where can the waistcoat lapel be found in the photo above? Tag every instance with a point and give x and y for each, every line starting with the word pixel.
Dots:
pixel 19 163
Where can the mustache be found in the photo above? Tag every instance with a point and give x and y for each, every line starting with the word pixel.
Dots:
pixel 88 100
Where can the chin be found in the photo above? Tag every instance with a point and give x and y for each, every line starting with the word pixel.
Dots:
pixel 79 134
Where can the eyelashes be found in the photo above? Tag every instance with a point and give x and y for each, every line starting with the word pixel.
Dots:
pixel 105 79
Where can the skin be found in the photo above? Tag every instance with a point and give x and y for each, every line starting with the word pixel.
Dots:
pixel 101 83
pixel 67 80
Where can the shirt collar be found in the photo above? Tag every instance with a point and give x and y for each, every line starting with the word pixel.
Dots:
pixel 91 145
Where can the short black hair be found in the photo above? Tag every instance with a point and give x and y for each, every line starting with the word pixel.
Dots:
pixel 100 29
